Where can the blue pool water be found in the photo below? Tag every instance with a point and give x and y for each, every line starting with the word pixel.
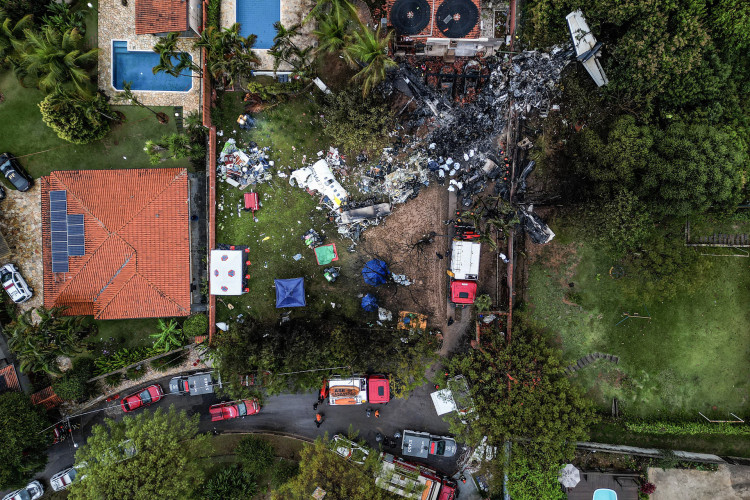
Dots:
pixel 605 494
pixel 257 17
pixel 136 67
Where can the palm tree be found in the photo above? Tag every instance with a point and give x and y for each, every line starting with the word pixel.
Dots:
pixel 37 345
pixel 322 5
pixel 228 53
pixel 284 48
pixel 333 29
pixel 368 49
pixel 10 31
pixel 55 61
pixel 167 49
pixel 127 95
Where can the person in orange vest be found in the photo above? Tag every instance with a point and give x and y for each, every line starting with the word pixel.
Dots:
pixel 377 413
pixel 318 419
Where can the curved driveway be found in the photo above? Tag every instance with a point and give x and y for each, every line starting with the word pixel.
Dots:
pixel 286 413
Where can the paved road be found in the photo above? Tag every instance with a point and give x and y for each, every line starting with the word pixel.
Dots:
pixel 287 413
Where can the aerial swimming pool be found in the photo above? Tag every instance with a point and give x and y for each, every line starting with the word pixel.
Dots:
pixel 136 66
pixel 257 17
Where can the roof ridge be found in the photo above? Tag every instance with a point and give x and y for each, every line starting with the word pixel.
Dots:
pixel 182 171
pixel 150 284
pixel 98 314
pixel 91 256
pixel 80 202
pixel 162 292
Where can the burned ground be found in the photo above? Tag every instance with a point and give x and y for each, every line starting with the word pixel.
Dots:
pixel 396 241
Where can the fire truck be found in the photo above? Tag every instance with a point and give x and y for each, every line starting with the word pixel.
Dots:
pixel 411 480
pixel 356 390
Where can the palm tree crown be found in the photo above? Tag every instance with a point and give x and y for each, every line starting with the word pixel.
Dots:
pixel 55 61
pixel 368 49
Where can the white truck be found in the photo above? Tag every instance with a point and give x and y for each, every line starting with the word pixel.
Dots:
pixel 465 260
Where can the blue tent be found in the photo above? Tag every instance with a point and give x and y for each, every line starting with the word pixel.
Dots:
pixel 375 272
pixel 290 293
pixel 369 303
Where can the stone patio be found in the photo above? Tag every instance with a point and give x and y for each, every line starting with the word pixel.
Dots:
pixel 21 225
pixel 292 12
pixel 117 22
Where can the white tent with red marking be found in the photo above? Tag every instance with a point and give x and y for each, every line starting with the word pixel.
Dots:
pixel 225 272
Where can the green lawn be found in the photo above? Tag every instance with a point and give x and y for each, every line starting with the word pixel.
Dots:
pixel 40 150
pixel 286 214
pixel 128 332
pixel 691 356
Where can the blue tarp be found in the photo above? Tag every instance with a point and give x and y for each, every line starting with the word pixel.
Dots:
pixel 290 293
pixel 369 303
pixel 375 272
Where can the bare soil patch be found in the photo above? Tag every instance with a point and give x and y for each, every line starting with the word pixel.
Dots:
pixel 21 225
pixel 395 241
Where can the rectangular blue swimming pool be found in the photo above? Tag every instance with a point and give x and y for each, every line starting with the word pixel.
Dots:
pixel 257 17
pixel 136 67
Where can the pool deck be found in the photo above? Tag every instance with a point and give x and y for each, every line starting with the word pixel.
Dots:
pixel 623 484
pixel 117 22
pixel 292 12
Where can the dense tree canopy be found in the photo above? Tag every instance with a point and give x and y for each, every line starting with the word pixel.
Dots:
pixel 521 394
pixel 24 444
pixel 151 455
pixel 341 480
pixel 75 119
pixel 332 341
pixel 678 171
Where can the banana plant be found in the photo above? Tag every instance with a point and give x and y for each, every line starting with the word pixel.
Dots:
pixel 170 337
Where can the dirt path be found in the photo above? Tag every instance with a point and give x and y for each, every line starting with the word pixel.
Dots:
pixel 728 483
pixel 395 241
pixel 21 225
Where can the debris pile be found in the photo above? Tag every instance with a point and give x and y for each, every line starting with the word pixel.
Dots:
pixel 241 168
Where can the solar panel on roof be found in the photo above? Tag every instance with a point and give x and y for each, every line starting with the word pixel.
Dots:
pixel 76 242
pixel 58 216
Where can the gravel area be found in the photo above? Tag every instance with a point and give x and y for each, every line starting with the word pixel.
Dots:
pixel 728 483
pixel 21 225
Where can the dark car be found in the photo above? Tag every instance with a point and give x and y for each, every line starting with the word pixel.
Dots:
pixel 12 171
pixel 147 396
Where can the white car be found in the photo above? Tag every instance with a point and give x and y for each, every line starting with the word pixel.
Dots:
pixel 14 284
pixel 32 491
pixel 349 450
pixel 64 479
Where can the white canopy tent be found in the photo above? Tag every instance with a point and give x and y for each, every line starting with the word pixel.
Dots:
pixel 226 272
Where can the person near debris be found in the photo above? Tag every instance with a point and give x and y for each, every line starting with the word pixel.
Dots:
pixel 315 406
pixel 318 419
pixel 377 413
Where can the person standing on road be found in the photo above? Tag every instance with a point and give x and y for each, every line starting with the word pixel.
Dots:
pixel 318 419
pixel 377 413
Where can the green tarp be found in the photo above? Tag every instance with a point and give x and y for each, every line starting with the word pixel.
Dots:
pixel 325 254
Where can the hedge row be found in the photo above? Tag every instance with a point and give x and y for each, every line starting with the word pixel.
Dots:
pixel 688 428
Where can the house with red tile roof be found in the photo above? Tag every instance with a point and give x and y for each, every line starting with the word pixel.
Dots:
pixel 133 260
pixel 158 17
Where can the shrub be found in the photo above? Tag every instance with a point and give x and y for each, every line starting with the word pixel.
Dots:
pixel 136 372
pixel 353 122
pixel 195 325
pixel 76 120
pixel 688 428
pixel 648 488
pixel 230 482
pixel 113 379
pixel 166 362
pixel 73 385
pixel 283 471
pixel 255 454
pixel 213 14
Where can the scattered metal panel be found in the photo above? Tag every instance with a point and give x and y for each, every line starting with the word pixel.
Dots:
pixel 586 46
pixel 366 213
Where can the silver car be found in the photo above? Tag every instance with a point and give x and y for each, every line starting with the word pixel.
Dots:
pixel 14 284
pixel 64 479
pixel 32 491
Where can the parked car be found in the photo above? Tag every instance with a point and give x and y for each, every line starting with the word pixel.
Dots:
pixel 194 385
pixel 234 409
pixel 13 171
pixel 422 445
pixel 14 284
pixel 64 479
pixel 32 491
pixel 147 396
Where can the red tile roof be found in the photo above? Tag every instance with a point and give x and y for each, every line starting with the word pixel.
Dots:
pixel 11 378
pixel 137 231
pixel 47 398
pixel 160 16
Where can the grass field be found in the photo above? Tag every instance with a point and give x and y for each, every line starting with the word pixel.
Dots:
pixel 691 356
pixel 40 151
pixel 286 214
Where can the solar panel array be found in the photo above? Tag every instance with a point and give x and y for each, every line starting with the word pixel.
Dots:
pixel 67 234
pixel 58 214
pixel 76 246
